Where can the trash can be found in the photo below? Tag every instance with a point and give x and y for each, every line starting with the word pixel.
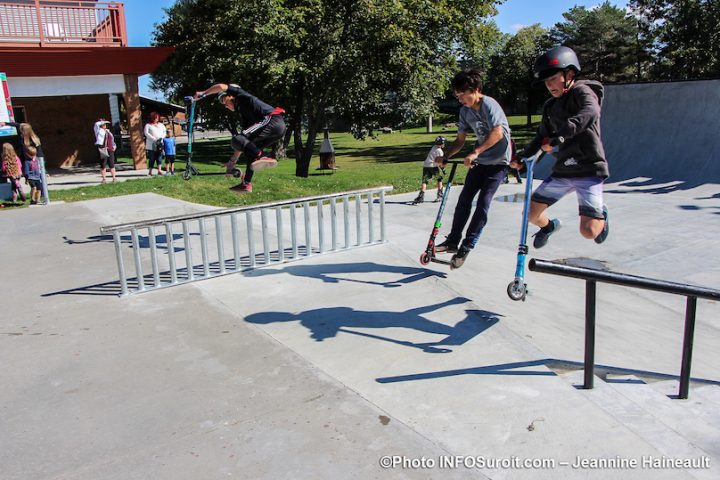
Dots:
pixel 327 152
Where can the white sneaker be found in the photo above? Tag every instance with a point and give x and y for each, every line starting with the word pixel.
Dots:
pixel 263 163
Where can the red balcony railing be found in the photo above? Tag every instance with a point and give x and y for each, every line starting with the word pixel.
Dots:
pixel 60 23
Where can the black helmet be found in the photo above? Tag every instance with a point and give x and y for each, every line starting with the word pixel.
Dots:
pixel 440 141
pixel 555 59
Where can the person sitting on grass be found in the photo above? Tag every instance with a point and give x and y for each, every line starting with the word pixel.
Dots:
pixel 262 126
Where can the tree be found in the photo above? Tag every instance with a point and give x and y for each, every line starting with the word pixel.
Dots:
pixel 684 37
pixel 482 44
pixel 604 39
pixel 367 61
pixel 511 70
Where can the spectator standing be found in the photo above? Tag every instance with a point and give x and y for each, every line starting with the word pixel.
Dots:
pixel 12 169
pixel 105 144
pixel 169 152
pixel 154 131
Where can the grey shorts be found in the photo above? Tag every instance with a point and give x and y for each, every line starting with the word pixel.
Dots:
pixel 589 191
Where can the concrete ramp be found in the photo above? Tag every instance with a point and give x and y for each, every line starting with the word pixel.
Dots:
pixel 663 131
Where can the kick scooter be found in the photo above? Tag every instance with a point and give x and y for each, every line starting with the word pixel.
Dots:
pixel 517 289
pixel 429 255
pixel 190 169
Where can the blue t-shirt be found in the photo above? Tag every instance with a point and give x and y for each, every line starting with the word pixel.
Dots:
pixel 489 116
pixel 169 145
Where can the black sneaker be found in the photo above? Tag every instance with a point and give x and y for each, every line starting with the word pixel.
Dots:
pixel 439 196
pixel 541 237
pixel 419 199
pixel 446 246
pixel 459 258
pixel 602 236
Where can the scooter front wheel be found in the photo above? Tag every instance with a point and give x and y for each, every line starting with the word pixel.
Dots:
pixel 236 172
pixel 424 258
pixel 517 290
pixel 187 174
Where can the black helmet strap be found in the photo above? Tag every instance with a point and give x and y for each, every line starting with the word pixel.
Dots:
pixel 568 83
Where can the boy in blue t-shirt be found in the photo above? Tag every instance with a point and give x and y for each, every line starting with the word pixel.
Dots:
pixel 169 151
pixel 487 162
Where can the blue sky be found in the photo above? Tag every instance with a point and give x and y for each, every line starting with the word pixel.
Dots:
pixel 141 15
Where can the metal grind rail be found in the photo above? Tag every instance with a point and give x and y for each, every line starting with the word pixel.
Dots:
pixel 163 254
pixel 592 276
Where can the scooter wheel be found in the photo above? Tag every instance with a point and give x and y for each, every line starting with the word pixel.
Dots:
pixel 517 290
pixel 236 173
pixel 187 174
pixel 424 258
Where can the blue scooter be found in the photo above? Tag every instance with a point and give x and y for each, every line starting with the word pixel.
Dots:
pixel 517 289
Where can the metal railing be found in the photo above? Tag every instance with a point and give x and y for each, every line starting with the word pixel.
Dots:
pixel 327 223
pixel 591 278
pixel 60 23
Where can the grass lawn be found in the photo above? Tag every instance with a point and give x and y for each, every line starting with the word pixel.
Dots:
pixel 389 159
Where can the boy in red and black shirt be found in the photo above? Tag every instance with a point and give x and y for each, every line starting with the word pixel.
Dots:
pixel 262 126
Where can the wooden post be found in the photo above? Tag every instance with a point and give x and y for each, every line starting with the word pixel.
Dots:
pixel 134 118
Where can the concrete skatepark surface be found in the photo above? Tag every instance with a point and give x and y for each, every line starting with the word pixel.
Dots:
pixel 323 368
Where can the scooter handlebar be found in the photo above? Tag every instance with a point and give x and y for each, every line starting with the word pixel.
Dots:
pixel 537 156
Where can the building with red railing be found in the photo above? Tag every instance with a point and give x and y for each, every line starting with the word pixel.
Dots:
pixel 69 63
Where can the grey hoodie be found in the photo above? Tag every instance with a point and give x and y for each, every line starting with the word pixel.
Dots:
pixel 576 117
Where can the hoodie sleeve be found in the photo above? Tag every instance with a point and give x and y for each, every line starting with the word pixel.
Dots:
pixel 543 132
pixel 589 111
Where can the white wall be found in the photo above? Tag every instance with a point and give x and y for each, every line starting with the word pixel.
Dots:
pixel 59 86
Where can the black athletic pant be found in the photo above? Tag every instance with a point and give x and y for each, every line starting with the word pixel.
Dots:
pixel 256 137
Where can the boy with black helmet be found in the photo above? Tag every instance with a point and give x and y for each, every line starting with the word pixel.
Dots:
pixel 570 130
pixel 487 162
pixel 431 170
pixel 262 126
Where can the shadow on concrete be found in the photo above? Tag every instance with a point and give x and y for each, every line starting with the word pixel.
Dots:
pixel 500 369
pixel 549 366
pixel 324 323
pixel 110 289
pixel 654 186
pixel 143 240
pixel 331 273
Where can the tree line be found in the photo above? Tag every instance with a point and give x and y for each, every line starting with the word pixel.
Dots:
pixel 370 63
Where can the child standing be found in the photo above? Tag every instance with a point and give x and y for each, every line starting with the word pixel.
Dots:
pixel 33 175
pixel 169 151
pixel 262 126
pixel 487 163
pixel 31 156
pixel 12 168
pixel 570 129
pixel 431 170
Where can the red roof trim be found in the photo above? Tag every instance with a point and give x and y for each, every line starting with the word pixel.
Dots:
pixel 45 62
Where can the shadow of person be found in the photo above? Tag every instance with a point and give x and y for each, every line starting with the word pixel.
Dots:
pixel 333 273
pixel 325 323
pixel 143 240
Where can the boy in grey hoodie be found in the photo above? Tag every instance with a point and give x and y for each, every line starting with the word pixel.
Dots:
pixel 570 130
